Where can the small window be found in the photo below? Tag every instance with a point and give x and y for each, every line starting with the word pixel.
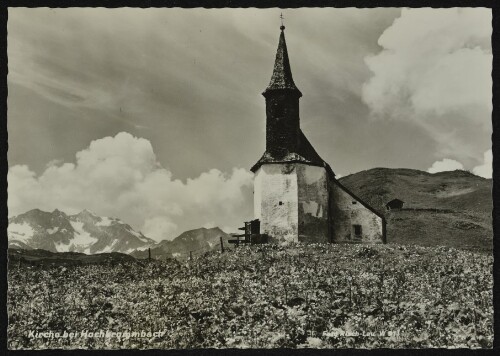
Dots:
pixel 357 230
pixel 354 202
pixel 280 203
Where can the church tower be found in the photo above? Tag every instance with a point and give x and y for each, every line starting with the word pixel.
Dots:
pixel 296 195
pixel 291 179
pixel 282 106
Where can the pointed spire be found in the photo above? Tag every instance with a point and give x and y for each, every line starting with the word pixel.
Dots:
pixel 282 74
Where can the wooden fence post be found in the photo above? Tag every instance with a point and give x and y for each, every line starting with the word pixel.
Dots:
pixel 149 253
pixel 190 255
pixel 221 245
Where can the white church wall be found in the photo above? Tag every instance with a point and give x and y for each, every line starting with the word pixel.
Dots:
pixel 312 203
pixel 275 201
pixel 352 221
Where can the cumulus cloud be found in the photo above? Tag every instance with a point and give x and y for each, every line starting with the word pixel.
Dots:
pixel 120 176
pixel 485 170
pixel 434 70
pixel 445 165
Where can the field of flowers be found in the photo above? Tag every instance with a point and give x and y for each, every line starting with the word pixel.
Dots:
pixel 318 296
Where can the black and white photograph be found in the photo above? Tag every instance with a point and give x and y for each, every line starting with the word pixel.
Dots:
pixel 245 178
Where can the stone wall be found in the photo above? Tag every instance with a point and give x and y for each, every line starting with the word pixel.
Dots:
pixel 348 211
pixel 313 203
pixel 275 201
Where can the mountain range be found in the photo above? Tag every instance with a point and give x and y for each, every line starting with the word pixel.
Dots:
pixel 447 208
pixel 88 233
pixel 83 232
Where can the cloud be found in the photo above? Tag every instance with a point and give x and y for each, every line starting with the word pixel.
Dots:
pixel 99 71
pixel 120 176
pixel 434 70
pixel 445 165
pixel 159 227
pixel 485 170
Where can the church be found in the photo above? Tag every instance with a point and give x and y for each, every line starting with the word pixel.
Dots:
pixel 296 195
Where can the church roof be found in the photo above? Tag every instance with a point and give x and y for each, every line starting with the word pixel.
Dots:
pixel 282 74
pixel 305 154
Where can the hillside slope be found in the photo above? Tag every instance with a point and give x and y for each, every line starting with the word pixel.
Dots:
pixel 265 296
pixel 446 208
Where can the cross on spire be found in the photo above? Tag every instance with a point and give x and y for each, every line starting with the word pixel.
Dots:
pixel 282 27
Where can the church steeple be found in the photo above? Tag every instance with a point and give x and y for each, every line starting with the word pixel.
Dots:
pixel 282 73
pixel 282 106
pixel 285 141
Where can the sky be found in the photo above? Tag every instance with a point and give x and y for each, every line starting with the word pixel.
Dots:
pixel 155 116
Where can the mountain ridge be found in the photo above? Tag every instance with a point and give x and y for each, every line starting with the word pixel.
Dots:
pixel 191 241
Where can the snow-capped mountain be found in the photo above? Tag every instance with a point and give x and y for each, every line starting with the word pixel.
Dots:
pixel 84 232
